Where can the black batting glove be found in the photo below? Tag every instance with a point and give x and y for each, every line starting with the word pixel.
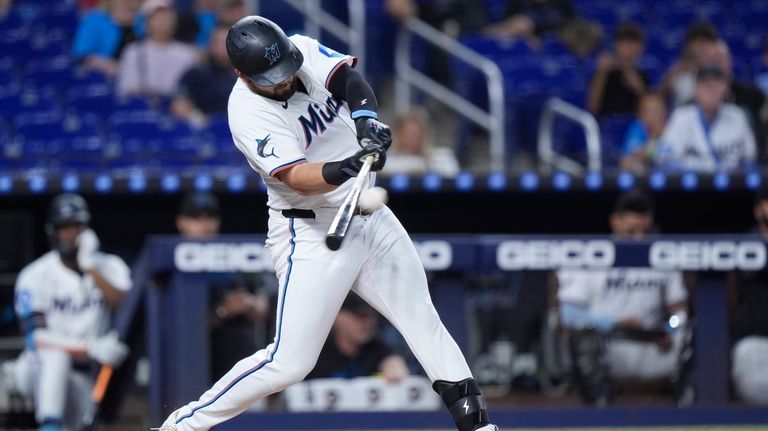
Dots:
pixel 337 173
pixel 370 130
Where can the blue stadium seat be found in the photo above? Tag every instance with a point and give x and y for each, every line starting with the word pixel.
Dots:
pixel 613 129
pixel 14 101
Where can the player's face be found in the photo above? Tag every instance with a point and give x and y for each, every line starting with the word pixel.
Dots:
pixel 632 225
pixel 67 234
pixel 200 227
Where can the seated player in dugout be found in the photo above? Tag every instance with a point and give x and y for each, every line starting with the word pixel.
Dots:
pixel 354 349
pixel 626 323
pixel 239 305
pixel 64 301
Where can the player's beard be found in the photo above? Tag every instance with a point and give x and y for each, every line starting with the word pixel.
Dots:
pixel 280 92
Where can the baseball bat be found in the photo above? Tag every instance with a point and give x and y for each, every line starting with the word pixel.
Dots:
pixel 338 229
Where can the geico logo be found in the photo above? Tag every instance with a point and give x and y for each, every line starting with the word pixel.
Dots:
pixel 715 255
pixel 435 255
pixel 542 254
pixel 224 257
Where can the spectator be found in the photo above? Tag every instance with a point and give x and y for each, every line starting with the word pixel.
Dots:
pixel 679 81
pixel 643 134
pixel 531 19
pixel 204 89
pixel 235 307
pixel 153 67
pixel 617 318
pixel 103 34
pixel 710 134
pixel 413 151
pixel 618 83
pixel 748 298
pixel 452 16
pixel 64 300
pixel 743 94
pixel 354 350
pixel 231 11
pixel 195 25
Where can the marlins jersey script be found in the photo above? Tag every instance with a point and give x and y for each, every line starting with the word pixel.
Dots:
pixel 72 304
pixel 309 127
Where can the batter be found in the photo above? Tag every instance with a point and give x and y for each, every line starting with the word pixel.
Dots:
pixel 305 119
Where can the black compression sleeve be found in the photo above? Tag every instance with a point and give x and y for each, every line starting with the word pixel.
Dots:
pixel 349 85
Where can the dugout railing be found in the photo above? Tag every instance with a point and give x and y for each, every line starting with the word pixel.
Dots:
pixel 177 323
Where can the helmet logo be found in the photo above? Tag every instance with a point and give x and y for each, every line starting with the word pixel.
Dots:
pixel 272 53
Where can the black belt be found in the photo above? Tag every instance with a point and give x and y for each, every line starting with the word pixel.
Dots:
pixel 298 213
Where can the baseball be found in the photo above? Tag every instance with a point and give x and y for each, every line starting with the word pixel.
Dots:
pixel 372 199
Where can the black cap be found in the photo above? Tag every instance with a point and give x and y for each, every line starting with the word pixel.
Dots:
pixel 196 204
pixel 710 71
pixel 68 208
pixel 356 305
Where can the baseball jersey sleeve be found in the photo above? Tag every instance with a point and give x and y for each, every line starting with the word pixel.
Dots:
pixel 675 291
pixel 322 61
pixel 265 140
pixel 30 294
pixel 116 272
pixel 574 287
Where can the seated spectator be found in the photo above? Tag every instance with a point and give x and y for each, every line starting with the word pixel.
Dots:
pixel 204 89
pixel 618 82
pixel 196 25
pixel 642 138
pixel 531 19
pixel 238 303
pixel 452 17
pixel 743 94
pixel 103 34
pixel 354 350
pixel 617 318
pixel 153 67
pixel 709 135
pixel 748 299
pixel 412 150
pixel 679 81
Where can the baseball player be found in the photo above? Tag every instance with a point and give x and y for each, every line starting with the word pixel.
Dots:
pixel 64 301
pixel 305 119
pixel 641 313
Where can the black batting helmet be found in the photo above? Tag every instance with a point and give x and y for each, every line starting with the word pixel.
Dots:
pixel 66 208
pixel 259 49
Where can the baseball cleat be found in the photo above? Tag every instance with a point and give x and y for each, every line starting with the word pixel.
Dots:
pixel 489 427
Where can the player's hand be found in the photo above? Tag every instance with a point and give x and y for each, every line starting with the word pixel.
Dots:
pixel 87 244
pixel 352 164
pixel 107 349
pixel 371 131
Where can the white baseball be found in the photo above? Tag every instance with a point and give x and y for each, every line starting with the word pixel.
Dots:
pixel 372 199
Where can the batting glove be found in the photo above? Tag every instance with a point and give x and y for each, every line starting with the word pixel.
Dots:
pixel 370 131
pixel 87 244
pixel 351 165
pixel 107 349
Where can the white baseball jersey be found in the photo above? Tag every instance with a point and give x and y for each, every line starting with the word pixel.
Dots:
pixel 312 127
pixel 72 304
pixel 725 144
pixel 622 293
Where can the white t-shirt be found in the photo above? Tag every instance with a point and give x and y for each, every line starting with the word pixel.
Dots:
pixel 622 293
pixel 312 127
pixel 686 144
pixel 72 304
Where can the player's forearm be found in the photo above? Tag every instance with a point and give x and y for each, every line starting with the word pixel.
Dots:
pixel 306 179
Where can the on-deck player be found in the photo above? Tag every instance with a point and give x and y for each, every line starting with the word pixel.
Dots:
pixel 64 300
pixel 305 120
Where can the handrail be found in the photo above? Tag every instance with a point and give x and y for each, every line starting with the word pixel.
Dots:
pixel 315 19
pixel 407 76
pixel 547 154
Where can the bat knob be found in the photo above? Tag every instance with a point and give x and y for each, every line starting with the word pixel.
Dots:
pixel 333 241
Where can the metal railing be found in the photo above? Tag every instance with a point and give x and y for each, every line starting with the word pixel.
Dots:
pixel 407 77
pixel 316 19
pixel 549 157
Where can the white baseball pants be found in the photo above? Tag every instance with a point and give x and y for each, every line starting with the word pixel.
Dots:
pixel 378 261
